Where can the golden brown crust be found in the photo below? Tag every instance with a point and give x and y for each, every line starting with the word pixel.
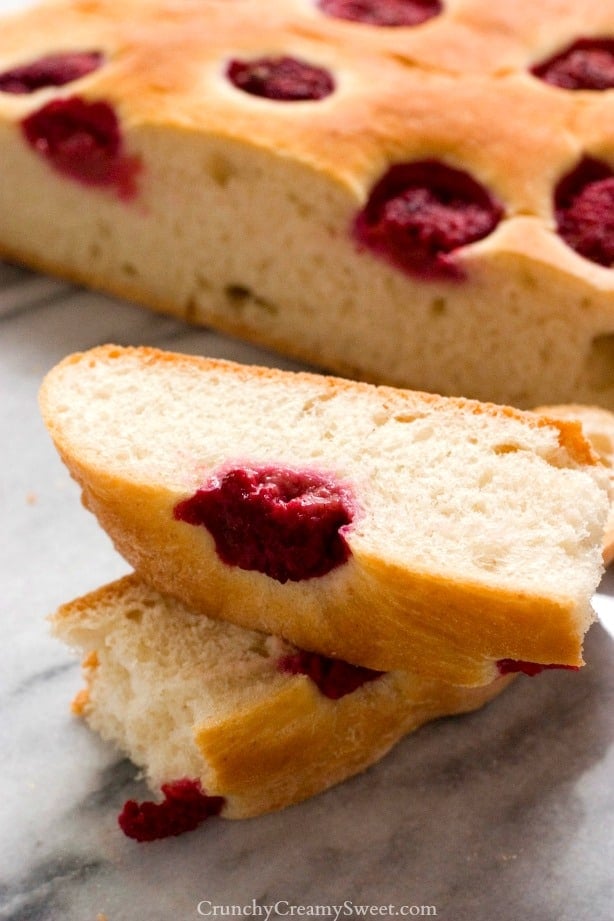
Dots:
pixel 390 105
pixel 299 743
pixel 293 743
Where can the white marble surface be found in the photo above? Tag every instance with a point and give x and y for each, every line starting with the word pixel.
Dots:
pixel 502 815
pixel 505 814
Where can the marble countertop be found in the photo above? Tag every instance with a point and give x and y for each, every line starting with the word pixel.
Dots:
pixel 504 814
pixel 501 815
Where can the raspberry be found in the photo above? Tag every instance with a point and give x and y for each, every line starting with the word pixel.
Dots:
pixel 333 677
pixel 284 523
pixel 584 205
pixel 383 12
pixel 587 64
pixel 184 807
pixel 420 213
pixel 82 140
pixel 507 666
pixel 51 70
pixel 284 79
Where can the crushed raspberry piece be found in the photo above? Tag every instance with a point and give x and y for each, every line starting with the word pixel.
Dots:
pixel 383 12
pixel 284 79
pixel 584 205
pixel 83 140
pixel 507 666
pixel 587 64
pixel 333 677
pixel 51 70
pixel 184 807
pixel 285 523
pixel 420 213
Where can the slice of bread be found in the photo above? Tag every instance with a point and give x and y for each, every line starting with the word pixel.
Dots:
pixel 598 426
pixel 189 697
pixel 469 533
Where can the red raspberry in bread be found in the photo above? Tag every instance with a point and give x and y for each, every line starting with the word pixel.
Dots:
pixel 419 214
pixel 184 807
pixel 587 64
pixel 50 70
pixel 333 677
pixel 511 666
pixel 383 12
pixel 584 203
pixel 285 523
pixel 284 79
pixel 83 140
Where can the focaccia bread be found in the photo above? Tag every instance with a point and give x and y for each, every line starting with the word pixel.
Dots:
pixel 389 528
pixel 423 198
pixel 598 426
pixel 210 710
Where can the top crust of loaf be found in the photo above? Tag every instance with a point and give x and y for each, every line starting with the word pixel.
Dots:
pixel 398 94
pixel 478 531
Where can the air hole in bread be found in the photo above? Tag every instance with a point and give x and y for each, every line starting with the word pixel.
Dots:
pixel 282 79
pixel 600 362
pixel 438 306
pixel 584 206
pixel 506 448
pixel 50 70
pixel 419 214
pixel 586 64
pixel 241 296
pixel 221 170
pixel 383 12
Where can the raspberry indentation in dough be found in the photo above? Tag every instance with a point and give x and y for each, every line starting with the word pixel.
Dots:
pixel 83 140
pixel 50 70
pixel 383 12
pixel 184 807
pixel 284 79
pixel 333 677
pixel 584 205
pixel 587 64
pixel 419 214
pixel 283 522
pixel 508 666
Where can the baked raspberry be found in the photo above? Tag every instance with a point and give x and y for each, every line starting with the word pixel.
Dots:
pixel 51 70
pixel 584 205
pixel 83 140
pixel 285 523
pixel 507 666
pixel 333 677
pixel 587 64
pixel 383 12
pixel 284 79
pixel 419 214
pixel 184 807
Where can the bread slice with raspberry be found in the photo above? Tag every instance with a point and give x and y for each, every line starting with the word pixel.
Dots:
pixel 598 426
pixel 392 529
pixel 229 720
